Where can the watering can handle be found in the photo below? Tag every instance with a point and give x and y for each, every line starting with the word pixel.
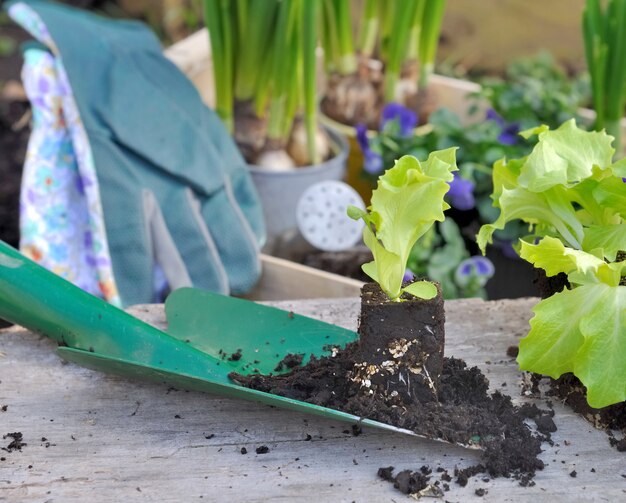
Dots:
pixel 43 302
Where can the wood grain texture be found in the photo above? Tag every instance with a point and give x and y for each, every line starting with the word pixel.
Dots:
pixel 108 439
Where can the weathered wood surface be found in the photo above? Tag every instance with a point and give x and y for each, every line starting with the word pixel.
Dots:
pixel 108 439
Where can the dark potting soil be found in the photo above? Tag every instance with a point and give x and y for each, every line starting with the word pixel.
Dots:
pixel 569 389
pixel 290 361
pixel 465 413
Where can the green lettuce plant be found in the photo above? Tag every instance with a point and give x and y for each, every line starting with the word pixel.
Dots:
pixel 573 198
pixel 408 200
pixel 568 187
pixel 583 329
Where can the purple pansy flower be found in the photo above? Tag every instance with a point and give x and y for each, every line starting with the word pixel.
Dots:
pixel 408 275
pixel 461 193
pixel 373 162
pixel 405 118
pixel 475 267
pixel 508 131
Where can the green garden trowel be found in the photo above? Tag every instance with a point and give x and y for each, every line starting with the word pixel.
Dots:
pixel 209 335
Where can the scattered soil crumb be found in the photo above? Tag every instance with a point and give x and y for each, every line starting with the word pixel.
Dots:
pixel 545 424
pixel 415 483
pixel 236 356
pixel 573 474
pixel 512 351
pixel 16 444
pixel 480 491
pixel 244 450
pixel 263 449
pixel 4 408
pixel 290 361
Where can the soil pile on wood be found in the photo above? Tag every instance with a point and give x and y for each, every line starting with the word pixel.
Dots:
pixel 573 393
pixel 464 413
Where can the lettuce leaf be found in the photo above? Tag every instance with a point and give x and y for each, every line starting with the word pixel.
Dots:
pixel 581 330
pixel 611 238
pixel 406 203
pixel 567 187
pixel 565 156
pixel 551 256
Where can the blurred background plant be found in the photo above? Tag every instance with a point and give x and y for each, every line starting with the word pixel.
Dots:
pixel 441 255
pixel 264 66
pixel 604 33
pixel 533 91
pixel 389 58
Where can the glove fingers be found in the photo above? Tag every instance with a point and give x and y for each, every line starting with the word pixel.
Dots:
pixel 236 242
pixel 236 171
pixel 193 241
pixel 162 244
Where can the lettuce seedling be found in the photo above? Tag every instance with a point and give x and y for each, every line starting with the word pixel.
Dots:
pixel 406 203
pixel 568 187
pixel 583 329
pixel 573 197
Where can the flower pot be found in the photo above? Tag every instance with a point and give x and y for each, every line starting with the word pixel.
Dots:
pixel 280 190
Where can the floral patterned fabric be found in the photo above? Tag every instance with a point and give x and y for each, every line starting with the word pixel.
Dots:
pixel 61 218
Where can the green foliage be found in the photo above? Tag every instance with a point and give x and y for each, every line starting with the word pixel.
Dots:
pixel 535 91
pixel 604 32
pixel 7 46
pixel 406 203
pixel 567 187
pixel 581 330
pixel 572 196
pixel 442 256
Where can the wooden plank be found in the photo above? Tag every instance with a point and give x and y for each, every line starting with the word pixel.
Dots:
pixel 283 279
pixel 115 440
pixel 193 56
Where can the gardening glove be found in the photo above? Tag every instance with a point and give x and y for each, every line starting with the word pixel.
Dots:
pixel 174 189
pixel 54 215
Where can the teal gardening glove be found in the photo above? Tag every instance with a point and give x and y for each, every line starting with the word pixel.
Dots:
pixel 175 191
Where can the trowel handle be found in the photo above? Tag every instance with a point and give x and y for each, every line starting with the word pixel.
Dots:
pixel 39 300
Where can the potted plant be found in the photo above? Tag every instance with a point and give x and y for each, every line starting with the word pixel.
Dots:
pixel 396 372
pixel 535 91
pixel 264 67
pixel 391 59
pixel 572 196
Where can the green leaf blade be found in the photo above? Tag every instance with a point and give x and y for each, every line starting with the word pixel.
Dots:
pixel 601 361
pixel 565 156
pixel 425 290
pixel 554 339
pixel 404 206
